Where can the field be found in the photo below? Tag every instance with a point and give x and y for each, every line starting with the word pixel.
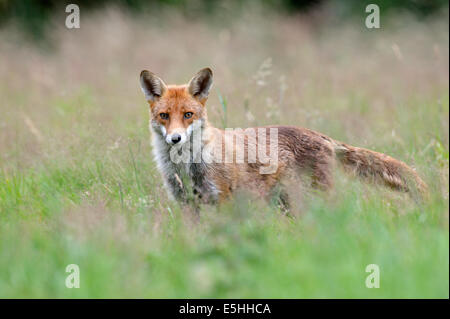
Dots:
pixel 78 184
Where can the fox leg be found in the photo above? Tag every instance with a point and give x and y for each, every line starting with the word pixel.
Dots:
pixel 322 177
pixel 283 201
pixel 175 187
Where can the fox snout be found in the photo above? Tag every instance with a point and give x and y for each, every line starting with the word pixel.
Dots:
pixel 180 135
pixel 176 137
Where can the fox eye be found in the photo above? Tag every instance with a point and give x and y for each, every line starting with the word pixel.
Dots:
pixel 164 116
pixel 188 115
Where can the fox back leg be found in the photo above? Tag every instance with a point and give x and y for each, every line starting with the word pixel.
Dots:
pixel 322 174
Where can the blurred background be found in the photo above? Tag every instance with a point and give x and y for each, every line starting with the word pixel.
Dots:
pixel 33 15
pixel 78 184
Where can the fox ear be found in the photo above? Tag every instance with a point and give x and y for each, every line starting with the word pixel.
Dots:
pixel 200 84
pixel 152 86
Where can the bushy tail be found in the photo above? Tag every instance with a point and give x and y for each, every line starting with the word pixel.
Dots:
pixel 381 168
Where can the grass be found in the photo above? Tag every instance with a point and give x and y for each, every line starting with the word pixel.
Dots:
pixel 78 184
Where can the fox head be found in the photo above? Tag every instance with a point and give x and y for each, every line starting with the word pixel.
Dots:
pixel 176 109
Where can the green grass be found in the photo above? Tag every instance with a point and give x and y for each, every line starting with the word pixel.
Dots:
pixel 109 215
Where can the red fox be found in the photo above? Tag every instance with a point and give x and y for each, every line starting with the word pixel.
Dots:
pixel 198 161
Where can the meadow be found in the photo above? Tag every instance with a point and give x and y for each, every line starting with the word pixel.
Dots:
pixel 78 184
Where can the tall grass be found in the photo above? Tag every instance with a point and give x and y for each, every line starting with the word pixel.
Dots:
pixel 78 184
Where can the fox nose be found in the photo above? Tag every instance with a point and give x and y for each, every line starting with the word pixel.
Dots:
pixel 176 138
